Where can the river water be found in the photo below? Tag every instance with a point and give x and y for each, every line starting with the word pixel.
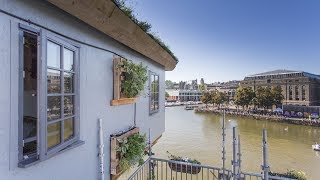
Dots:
pixel 199 136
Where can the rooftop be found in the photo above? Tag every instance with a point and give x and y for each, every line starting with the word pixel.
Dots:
pixel 284 72
pixel 276 72
pixel 106 17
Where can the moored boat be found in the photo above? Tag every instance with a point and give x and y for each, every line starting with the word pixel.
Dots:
pixel 188 107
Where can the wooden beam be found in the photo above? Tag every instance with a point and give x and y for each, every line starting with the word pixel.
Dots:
pixel 106 17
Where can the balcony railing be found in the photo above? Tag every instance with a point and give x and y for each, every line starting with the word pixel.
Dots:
pixel 155 168
pixel 162 169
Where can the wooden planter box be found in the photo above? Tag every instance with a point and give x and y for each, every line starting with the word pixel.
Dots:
pixel 115 169
pixel 118 97
pixel 185 168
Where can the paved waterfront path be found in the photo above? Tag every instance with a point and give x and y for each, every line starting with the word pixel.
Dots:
pixel 270 117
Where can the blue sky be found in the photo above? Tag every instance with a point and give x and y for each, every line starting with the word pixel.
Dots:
pixel 222 40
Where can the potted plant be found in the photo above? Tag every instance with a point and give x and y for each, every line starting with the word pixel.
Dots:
pixel 131 151
pixel 133 78
pixel 128 81
pixel 186 165
pixel 292 174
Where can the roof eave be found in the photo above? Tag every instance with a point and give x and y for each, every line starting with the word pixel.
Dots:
pixel 106 17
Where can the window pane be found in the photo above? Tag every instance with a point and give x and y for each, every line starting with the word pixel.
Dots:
pixel 68 128
pixel 68 82
pixel 152 106
pixel 156 78
pixel 53 55
pixel 68 106
pixel 54 134
pixel 53 79
pixel 156 96
pixel 152 88
pixel 68 59
pixel 152 78
pixel 54 106
pixel 156 105
pixel 156 87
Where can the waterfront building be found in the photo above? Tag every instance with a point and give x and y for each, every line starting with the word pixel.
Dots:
pixel 57 79
pixel 298 87
pixel 173 95
pixel 190 95
pixel 184 95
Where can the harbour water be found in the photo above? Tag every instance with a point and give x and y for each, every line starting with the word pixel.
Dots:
pixel 199 136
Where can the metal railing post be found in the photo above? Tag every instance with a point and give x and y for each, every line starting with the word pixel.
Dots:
pixel 223 144
pixel 234 161
pixel 239 157
pixel 265 167
pixel 150 154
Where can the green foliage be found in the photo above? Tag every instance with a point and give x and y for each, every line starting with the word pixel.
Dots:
pixel 135 78
pixel 214 97
pixel 169 84
pixel 264 97
pixel 202 88
pixel 167 95
pixel 179 158
pixel 206 98
pixel 145 26
pixel 244 96
pixel 277 95
pixel 293 174
pixel 219 98
pixel 131 151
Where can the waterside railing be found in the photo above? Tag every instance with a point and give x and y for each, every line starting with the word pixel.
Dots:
pixel 162 169
pixel 155 168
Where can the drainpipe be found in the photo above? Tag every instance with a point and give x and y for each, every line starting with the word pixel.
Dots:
pixel 101 150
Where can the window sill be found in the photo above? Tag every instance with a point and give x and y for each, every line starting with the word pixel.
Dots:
pixel 32 161
pixel 123 101
pixel 153 112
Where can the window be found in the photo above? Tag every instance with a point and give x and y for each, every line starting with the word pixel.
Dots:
pixel 296 89
pixel 61 94
pixel 48 96
pixel 154 92
pixel 290 92
pixel 303 89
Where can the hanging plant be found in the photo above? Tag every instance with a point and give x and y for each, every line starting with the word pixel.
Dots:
pixel 131 151
pixel 186 165
pixel 133 78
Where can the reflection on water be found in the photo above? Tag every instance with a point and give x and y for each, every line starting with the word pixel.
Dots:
pixel 199 136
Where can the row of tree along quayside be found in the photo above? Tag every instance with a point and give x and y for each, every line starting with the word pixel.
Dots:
pixel 264 97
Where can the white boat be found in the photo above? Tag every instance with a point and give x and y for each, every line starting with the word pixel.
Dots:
pixel 316 147
pixel 188 107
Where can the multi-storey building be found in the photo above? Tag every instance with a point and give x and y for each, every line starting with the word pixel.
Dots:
pixel 190 95
pixel 298 87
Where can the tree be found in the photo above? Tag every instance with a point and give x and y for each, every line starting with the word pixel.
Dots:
pixel 169 84
pixel 244 97
pixel 264 97
pixel 201 87
pixel 277 95
pixel 167 95
pixel 206 98
pixel 220 98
